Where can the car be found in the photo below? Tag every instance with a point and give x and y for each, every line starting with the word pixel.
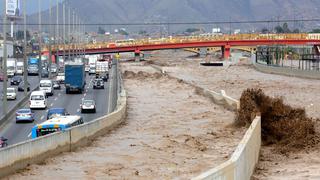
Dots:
pixel 38 100
pixel 24 115
pixel 11 93
pixel 55 112
pixel 88 106
pixel 44 73
pixel 60 77
pixel 21 86
pixel 15 80
pixel 54 68
pixel 56 85
pixel 1 76
pixel 46 86
pixel 33 70
pixel 98 84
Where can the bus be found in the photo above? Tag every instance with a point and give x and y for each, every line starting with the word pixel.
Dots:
pixel 124 42
pixel 55 125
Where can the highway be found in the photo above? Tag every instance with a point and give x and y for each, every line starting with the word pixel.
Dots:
pixel 105 102
pixel 33 80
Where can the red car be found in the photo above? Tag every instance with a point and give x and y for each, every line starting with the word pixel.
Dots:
pixel 1 76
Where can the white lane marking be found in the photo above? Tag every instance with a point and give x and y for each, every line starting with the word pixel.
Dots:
pixel 59 94
pixel 82 99
pixel 55 98
pixel 42 117
pixel 51 104
pixel 29 134
pixel 85 94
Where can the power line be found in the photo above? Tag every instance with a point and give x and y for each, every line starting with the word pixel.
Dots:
pixel 180 23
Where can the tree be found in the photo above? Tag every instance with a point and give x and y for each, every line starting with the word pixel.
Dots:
pixel 101 30
pixel 265 30
pixel 279 29
pixel 315 31
pixel 123 32
pixel 192 30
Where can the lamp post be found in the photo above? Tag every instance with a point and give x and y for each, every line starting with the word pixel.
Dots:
pixel 25 80
pixel 4 59
pixel 40 40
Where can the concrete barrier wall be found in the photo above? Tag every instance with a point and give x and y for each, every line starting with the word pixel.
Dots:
pixel 287 71
pixel 20 155
pixel 243 161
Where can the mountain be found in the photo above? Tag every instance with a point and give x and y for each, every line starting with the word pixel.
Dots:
pixel 137 11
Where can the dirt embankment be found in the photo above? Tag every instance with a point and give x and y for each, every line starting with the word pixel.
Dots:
pixel 170 133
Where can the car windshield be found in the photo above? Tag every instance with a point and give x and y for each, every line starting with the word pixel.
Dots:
pixel 37 97
pixel 45 85
pixel 24 111
pixel 61 74
pixel 16 78
pixel 10 91
pixel 88 102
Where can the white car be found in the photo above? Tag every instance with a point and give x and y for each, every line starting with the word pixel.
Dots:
pixel 38 100
pixel 60 77
pixel 88 106
pixel 11 93
pixel 46 86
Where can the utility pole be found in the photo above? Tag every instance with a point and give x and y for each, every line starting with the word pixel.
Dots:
pixel 4 59
pixel 25 78
pixel 69 33
pixel 64 31
pixel 50 33
pixel 40 41
pixel 73 18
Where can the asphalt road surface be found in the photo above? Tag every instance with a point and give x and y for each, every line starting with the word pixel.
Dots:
pixel 105 102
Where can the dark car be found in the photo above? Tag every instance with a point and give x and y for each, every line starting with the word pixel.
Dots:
pixel 98 84
pixel 16 80
pixel 54 112
pixel 56 85
pixel 44 73
pixel 21 86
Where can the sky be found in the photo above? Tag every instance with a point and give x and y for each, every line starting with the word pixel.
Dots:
pixel 32 6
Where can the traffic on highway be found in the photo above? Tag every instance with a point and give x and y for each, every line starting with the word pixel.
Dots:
pixel 68 98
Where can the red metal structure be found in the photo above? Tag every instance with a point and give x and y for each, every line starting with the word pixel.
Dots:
pixel 225 42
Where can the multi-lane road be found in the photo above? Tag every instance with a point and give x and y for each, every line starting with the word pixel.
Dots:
pixel 105 102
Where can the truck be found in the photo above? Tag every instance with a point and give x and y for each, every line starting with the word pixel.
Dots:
pixel 92 64
pixel 102 69
pixel 20 68
pixel 75 77
pixel 11 67
pixel 33 66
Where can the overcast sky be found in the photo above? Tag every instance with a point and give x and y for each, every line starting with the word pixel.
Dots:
pixel 32 6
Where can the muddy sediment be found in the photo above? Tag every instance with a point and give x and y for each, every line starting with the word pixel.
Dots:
pixel 287 127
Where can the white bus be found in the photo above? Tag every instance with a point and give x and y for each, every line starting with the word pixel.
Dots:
pixel 55 125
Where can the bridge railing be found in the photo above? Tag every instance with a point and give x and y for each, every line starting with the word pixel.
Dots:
pixel 189 39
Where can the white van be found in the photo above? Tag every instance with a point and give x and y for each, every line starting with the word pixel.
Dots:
pixel 38 100
pixel 46 86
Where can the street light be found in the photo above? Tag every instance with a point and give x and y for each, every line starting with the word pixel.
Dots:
pixel 25 48
pixel 40 40
pixel 4 59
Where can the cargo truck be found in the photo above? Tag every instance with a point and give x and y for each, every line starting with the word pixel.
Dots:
pixel 74 77
pixel 11 67
pixel 102 69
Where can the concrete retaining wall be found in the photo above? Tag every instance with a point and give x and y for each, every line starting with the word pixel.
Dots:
pixel 243 161
pixel 287 71
pixel 20 155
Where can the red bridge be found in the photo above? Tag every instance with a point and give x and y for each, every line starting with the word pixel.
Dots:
pixel 223 41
